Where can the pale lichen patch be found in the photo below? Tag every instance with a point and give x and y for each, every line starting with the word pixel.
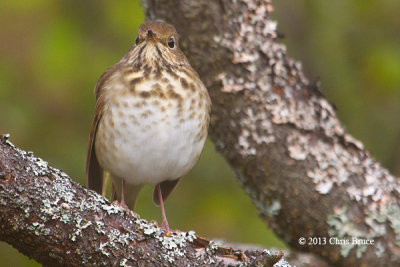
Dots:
pixel 268 208
pixel 256 130
pixel 39 229
pixel 297 145
pixel 174 243
pixel 343 227
pixel 212 247
pixel 100 227
pixel 273 209
pixel 112 209
pixel 123 262
pixel 377 218
pixel 79 227
pixel 102 247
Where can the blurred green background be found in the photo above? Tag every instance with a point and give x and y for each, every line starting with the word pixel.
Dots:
pixel 53 52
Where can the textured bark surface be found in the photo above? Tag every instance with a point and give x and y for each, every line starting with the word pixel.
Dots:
pixel 305 174
pixel 57 222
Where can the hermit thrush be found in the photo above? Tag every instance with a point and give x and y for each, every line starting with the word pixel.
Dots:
pixel 151 119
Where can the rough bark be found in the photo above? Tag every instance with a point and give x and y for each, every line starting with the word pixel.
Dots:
pixel 304 173
pixel 58 222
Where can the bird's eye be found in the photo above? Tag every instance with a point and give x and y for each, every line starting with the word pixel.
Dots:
pixel 171 43
pixel 137 40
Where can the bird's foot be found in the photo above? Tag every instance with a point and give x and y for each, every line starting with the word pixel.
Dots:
pixel 168 231
pixel 165 226
pixel 122 204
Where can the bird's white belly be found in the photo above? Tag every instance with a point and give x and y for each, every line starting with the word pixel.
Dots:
pixel 145 145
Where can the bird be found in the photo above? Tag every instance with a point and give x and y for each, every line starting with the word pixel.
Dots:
pixel 151 119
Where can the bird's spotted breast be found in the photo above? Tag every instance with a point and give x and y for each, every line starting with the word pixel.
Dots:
pixel 155 132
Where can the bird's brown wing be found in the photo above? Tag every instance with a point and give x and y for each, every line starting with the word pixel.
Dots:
pixel 94 172
pixel 166 188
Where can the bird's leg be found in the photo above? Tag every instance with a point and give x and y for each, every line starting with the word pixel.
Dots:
pixel 123 204
pixel 164 224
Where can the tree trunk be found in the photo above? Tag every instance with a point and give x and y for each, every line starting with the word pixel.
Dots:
pixel 307 177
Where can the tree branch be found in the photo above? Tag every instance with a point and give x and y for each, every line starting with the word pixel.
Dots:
pixel 304 173
pixel 57 222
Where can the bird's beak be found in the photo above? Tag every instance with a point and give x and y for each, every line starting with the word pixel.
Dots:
pixel 151 36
